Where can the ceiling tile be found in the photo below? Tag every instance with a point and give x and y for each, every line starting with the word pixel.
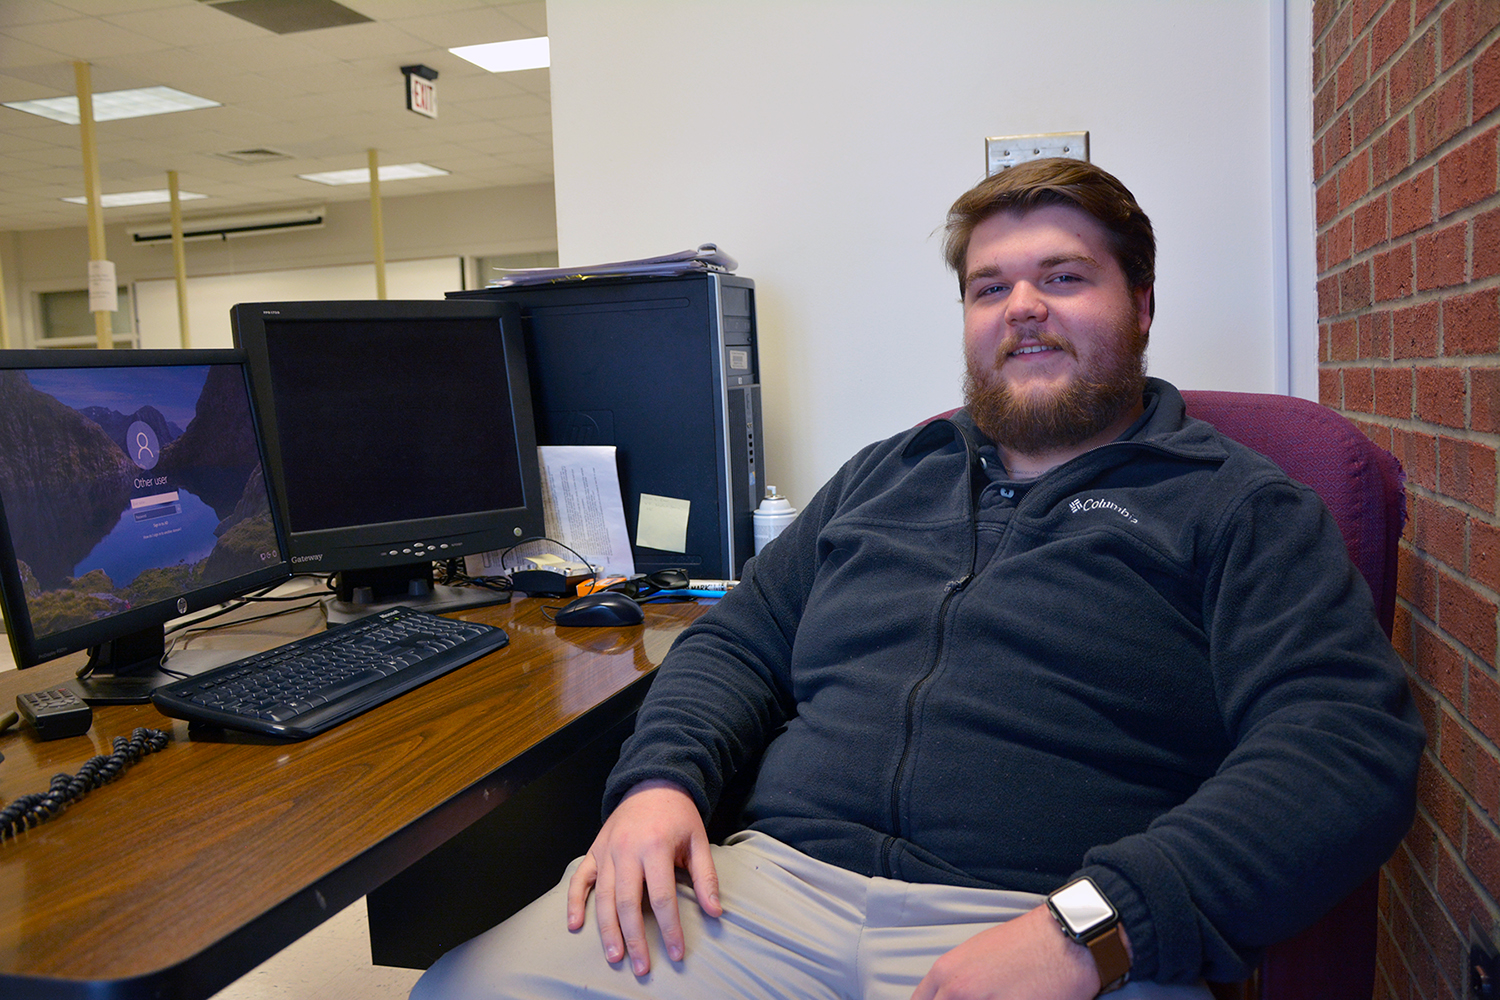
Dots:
pixel 198 21
pixel 506 146
pixel 35 12
pixel 84 38
pixel 268 53
pixel 16 52
pixel 531 15
pixel 14 88
pixel 464 27
pixel 531 124
pixel 104 8
pixel 365 40
pixel 395 10
pixel 52 156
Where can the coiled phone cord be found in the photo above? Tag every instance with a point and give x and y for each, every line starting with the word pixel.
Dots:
pixel 33 810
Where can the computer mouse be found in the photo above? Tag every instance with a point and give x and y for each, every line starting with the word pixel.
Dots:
pixel 604 608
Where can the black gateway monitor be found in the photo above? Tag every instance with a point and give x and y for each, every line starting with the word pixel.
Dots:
pixel 399 434
pixel 131 493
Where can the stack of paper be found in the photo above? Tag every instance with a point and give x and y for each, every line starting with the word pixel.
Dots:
pixel 707 257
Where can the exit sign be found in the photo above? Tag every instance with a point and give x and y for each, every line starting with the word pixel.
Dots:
pixel 421 95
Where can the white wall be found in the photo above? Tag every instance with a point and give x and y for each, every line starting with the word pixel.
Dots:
pixel 502 220
pixel 822 141
pixel 211 297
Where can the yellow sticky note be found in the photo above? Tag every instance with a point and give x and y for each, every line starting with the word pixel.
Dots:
pixel 662 523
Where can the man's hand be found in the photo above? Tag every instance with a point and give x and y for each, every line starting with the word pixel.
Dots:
pixel 1028 958
pixel 654 831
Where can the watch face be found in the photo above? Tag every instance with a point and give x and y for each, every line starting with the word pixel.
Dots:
pixel 1081 906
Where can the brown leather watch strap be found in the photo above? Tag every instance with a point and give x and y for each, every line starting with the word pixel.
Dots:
pixel 1110 956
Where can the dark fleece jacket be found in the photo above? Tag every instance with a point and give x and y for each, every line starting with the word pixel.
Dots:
pixel 1155 665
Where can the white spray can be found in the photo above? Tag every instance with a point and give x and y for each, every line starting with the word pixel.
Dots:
pixel 771 517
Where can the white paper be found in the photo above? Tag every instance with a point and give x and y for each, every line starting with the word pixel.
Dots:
pixel 581 498
pixel 708 257
pixel 104 293
pixel 582 507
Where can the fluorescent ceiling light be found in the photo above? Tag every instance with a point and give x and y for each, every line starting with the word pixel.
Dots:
pixel 507 57
pixel 116 104
pixel 361 175
pixel 136 198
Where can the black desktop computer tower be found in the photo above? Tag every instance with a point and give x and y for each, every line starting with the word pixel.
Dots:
pixel 666 370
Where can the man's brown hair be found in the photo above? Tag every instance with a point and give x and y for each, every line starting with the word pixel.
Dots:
pixel 1058 181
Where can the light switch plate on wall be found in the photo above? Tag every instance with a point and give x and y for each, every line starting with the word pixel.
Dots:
pixel 1004 151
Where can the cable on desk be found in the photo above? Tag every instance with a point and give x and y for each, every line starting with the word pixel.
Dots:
pixel 453 573
pixel 192 633
pixel 593 570
pixel 33 810
pixel 450 572
pixel 258 597
pixel 210 614
pixel 261 597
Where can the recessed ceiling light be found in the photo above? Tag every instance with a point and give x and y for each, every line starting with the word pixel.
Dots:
pixel 507 57
pixel 361 175
pixel 116 104
pixel 136 198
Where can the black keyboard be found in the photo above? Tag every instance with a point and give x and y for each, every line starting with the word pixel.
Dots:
pixel 313 684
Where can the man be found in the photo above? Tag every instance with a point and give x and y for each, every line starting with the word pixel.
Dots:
pixel 1065 656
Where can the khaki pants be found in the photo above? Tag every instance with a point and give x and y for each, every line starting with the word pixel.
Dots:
pixel 793 927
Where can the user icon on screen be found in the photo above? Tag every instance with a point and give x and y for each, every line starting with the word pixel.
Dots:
pixel 142 445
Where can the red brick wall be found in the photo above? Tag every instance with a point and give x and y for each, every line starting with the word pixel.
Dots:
pixel 1406 114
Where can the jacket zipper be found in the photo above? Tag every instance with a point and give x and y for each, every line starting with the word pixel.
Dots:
pixel 949 592
pixel 977 481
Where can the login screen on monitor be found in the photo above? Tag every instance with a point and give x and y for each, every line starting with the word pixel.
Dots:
pixel 126 486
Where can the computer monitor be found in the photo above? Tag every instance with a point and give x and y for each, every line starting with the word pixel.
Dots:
pixel 131 493
pixel 398 434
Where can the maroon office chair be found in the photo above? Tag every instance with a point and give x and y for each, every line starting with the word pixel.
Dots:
pixel 1362 486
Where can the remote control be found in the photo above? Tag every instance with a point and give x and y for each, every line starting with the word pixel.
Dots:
pixel 56 713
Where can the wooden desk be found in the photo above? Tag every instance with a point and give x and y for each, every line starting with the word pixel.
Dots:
pixel 205 859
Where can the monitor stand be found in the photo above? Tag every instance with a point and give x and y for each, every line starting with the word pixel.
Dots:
pixel 124 671
pixel 358 593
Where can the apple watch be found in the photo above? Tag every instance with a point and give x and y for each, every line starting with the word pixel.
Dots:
pixel 1088 917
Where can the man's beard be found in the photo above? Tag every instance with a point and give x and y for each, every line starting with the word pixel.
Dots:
pixel 1091 401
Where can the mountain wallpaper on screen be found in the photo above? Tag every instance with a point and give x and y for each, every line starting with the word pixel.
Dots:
pixel 115 423
pixel 66 484
pixel 215 455
pixel 63 481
